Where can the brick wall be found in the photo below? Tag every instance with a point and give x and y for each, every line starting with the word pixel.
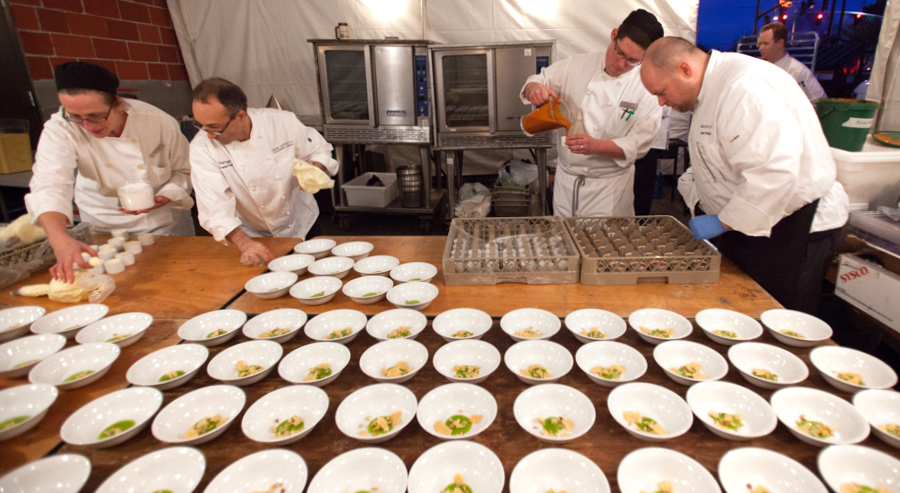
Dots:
pixel 133 39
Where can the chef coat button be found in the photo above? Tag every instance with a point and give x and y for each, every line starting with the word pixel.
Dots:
pixel 596 129
pixel 242 168
pixel 287 213
pixel 608 103
pixel 108 165
pixel 134 141
pixel 252 189
pixel 262 207
pixel 589 93
pixel 141 166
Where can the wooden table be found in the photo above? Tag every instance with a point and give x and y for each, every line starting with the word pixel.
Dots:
pixel 734 291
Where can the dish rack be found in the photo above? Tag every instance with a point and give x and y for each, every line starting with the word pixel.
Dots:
pixel 525 250
pixel 510 201
pixel 629 250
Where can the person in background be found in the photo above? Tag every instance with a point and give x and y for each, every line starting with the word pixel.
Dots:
pixel 646 168
pixel 242 166
pixel 772 38
pixel 617 119
pixel 95 143
pixel 762 171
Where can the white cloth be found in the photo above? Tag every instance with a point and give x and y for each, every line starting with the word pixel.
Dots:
pixel 758 151
pixel 251 184
pixel 803 75
pixel 70 161
pixel 608 108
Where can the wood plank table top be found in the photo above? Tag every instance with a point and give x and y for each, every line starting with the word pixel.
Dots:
pixel 606 443
pixel 177 277
pixel 734 291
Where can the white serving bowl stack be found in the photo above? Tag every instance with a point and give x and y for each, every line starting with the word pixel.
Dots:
pixel 652 401
pixel 381 399
pixel 542 321
pixel 381 325
pixel 757 416
pixel 30 401
pixel 761 467
pixel 368 290
pixel 378 265
pixel 55 369
pixel 282 318
pixel 174 469
pixel 655 318
pixel 271 285
pixel 478 465
pixel 675 354
pixel 69 321
pixel 295 366
pixel 65 473
pixel 297 263
pixel 467 352
pixel 462 319
pixel 388 353
pixel 259 471
pixel 147 371
pixel 318 248
pixel 132 324
pixel 814 331
pixel 196 329
pixel 327 323
pixel 816 405
pixel 310 403
pixel 223 367
pixel 414 272
pixel 557 469
pixel 610 353
pixel 414 295
pixel 554 400
pixel 337 267
pixel 307 289
pixel 841 464
pixel 32 349
pixel 713 319
pixel 137 404
pixel 831 360
pixel 748 356
pixel 588 319
pixel 174 421
pixel 880 408
pixel 14 322
pixel 362 469
pixel 644 468
pixel 355 250
pixel 451 399
pixel 554 357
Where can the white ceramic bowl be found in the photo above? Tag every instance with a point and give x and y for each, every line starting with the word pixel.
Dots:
pixel 594 354
pixel 388 353
pixel 295 366
pixel 69 321
pixel 414 295
pixel 557 469
pixel 748 356
pixel 56 369
pixel 282 318
pixel 816 405
pixel 757 416
pixel 110 329
pixel 316 290
pixel 551 401
pixel 413 272
pixel 832 360
pixel 25 404
pixel 198 328
pixel 368 290
pixel 478 465
pixel 644 468
pixel 27 351
pixel 813 330
pixel 16 321
pixel 363 469
pixel 318 248
pixel 589 319
pixel 841 464
pixel 880 408
pixel 337 267
pixel 761 467
pixel 465 353
pixel 177 418
pixel 297 263
pixel 356 250
pixel 310 403
pixel 381 325
pixel 177 469
pixel 462 319
pixel 541 321
pixel 379 265
pixel 58 473
pixel 271 285
pixel 259 471
pixel 552 356
pixel 453 399
pixel 368 403
pixel 223 367
pixel 136 404
pixel 654 318
pixel 713 319
pixel 652 401
pixel 186 358
pixel 327 323
pixel 672 355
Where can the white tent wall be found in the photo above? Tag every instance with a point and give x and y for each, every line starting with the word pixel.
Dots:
pixel 262 45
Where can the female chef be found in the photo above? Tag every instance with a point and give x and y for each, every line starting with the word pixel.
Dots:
pixel 93 145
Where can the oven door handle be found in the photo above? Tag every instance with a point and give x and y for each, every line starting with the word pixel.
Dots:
pixel 492 90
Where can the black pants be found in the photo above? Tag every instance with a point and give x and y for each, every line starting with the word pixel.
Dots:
pixel 645 181
pixel 790 264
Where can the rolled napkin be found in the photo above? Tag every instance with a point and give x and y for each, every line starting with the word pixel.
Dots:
pixel 311 178
pixel 146 239
pixel 133 247
pixel 127 258
pixel 114 266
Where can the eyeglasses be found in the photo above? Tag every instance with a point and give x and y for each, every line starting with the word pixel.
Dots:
pixel 214 132
pixel 634 62
pixel 90 119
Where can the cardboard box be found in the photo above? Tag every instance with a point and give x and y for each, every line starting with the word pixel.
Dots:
pixel 870 288
pixel 15 153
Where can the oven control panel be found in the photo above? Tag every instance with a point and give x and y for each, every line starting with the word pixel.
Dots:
pixel 421 85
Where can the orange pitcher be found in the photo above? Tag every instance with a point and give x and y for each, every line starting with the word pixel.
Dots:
pixel 550 116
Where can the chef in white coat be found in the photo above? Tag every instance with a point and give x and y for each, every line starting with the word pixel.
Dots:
pixel 242 168
pixel 763 175
pixel 93 145
pixel 615 120
pixel 772 38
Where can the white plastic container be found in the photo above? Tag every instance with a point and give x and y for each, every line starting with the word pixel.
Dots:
pixel 136 196
pixel 871 175
pixel 359 195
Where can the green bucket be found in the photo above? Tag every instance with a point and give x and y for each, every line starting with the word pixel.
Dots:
pixel 846 122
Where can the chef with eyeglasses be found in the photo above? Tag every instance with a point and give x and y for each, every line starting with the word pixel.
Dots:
pixel 96 143
pixel 615 120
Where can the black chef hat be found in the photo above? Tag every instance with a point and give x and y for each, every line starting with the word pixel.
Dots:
pixel 81 75
pixel 646 22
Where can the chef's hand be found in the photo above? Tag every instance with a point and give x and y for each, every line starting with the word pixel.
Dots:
pixel 538 93
pixel 254 254
pixel 160 202
pixel 582 144
pixel 317 165
pixel 68 251
pixel 706 227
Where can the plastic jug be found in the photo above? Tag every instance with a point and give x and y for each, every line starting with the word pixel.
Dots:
pixel 550 116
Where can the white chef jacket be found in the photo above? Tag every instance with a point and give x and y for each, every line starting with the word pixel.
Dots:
pixel 803 75
pixel 758 151
pixel 251 184
pixel 608 108
pixel 151 148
